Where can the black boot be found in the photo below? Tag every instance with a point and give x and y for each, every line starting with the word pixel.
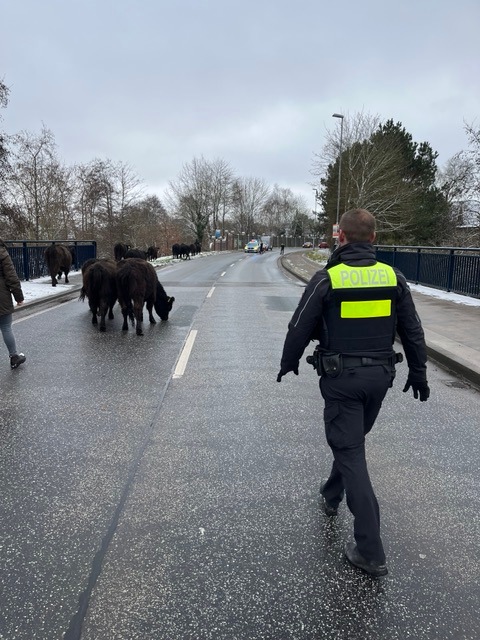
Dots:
pixel 16 360
pixel 373 568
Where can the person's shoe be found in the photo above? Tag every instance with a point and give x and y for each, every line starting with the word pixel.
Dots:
pixel 327 508
pixel 373 568
pixel 17 360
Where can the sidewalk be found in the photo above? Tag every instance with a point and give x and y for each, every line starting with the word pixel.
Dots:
pixel 452 331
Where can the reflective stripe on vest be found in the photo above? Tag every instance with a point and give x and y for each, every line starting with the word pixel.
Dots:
pixel 375 276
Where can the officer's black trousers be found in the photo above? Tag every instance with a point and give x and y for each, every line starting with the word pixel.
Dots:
pixel 352 403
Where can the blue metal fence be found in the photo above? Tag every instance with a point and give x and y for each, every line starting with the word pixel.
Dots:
pixel 28 256
pixel 454 269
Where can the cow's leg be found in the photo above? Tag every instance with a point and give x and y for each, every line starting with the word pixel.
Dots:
pixel 125 318
pixel 137 310
pixel 66 277
pixel 103 312
pixel 93 309
pixel 150 312
pixel 54 281
pixel 110 312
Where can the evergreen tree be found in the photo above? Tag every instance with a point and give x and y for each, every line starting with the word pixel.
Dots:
pixel 389 174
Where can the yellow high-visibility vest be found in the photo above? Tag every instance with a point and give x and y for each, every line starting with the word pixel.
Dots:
pixel 376 276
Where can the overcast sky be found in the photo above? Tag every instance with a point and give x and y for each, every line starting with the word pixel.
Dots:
pixel 155 83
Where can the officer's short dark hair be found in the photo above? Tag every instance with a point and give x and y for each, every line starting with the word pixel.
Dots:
pixel 357 225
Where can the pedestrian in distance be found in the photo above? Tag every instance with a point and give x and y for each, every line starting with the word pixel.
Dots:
pixel 282 249
pixel 354 307
pixel 9 286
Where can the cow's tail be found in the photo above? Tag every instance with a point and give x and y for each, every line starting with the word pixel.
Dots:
pixel 97 279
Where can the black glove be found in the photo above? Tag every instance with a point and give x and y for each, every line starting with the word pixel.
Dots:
pixel 419 386
pixel 282 373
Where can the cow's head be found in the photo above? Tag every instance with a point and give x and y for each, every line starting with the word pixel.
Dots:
pixel 163 303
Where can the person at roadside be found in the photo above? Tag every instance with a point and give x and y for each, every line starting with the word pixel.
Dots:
pixel 354 306
pixel 9 286
pixel 282 249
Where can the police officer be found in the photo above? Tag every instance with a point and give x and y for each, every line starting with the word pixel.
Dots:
pixel 354 307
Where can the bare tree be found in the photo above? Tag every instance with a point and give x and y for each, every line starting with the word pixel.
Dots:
pixel 200 195
pixel 4 91
pixel 281 209
pixel 34 162
pixel 459 181
pixel 92 189
pixel 128 191
pixel 474 155
pixel 105 193
pixel 221 178
pixel 249 196
pixel 58 216
pixel 147 221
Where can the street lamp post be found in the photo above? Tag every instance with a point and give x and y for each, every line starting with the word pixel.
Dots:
pixel 339 115
pixel 315 214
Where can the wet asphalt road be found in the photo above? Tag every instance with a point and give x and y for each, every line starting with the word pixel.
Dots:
pixel 141 504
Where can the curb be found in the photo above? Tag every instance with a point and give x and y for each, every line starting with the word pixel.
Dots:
pixel 286 266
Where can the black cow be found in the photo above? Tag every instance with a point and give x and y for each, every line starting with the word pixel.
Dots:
pixel 152 253
pixel 136 253
pixel 137 284
pixel 185 251
pixel 119 250
pixel 87 264
pixel 59 260
pixel 176 250
pixel 73 251
pixel 100 287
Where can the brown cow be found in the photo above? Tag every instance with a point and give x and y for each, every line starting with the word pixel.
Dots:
pixel 59 259
pixel 100 287
pixel 137 283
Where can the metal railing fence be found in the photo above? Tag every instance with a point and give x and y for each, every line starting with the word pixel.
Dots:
pixel 455 269
pixel 28 256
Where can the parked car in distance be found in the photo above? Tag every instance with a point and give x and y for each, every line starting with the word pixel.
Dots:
pixel 252 247
pixel 323 245
pixel 307 245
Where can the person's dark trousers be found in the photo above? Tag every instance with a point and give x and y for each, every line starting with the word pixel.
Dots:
pixel 352 403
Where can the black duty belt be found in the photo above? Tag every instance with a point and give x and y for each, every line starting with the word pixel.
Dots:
pixel 331 364
pixel 361 361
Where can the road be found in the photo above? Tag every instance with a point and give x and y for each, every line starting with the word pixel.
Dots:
pixel 153 492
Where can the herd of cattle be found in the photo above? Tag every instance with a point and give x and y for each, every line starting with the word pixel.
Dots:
pixel 184 251
pixel 131 280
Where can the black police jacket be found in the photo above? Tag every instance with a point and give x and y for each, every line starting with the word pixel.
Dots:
pixel 308 321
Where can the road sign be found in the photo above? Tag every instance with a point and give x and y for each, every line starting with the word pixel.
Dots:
pixel 335 231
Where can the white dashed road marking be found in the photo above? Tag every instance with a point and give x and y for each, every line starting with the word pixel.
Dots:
pixel 184 356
